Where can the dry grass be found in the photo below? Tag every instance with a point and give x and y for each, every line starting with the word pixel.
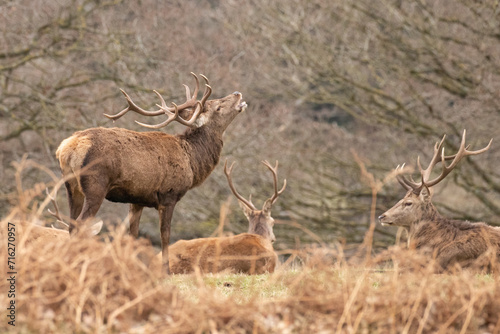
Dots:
pixel 92 285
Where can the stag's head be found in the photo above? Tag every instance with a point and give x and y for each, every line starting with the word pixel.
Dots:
pixel 193 113
pixel 221 112
pixel 412 208
pixel 260 221
pixel 416 205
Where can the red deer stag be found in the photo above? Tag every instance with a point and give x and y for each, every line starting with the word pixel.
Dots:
pixel 150 169
pixel 450 241
pixel 249 253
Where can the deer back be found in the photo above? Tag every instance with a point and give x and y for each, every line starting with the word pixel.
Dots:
pixel 130 164
pixel 455 241
pixel 243 253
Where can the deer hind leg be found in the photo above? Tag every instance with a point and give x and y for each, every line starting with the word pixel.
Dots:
pixel 94 189
pixel 75 200
pixel 134 218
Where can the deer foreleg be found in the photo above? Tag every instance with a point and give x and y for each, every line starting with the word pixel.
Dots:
pixel 165 212
pixel 455 254
pixel 134 218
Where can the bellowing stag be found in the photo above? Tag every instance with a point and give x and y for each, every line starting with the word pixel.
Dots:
pixel 149 169
pixel 450 241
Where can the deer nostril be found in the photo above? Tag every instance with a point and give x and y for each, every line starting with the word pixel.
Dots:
pixel 381 217
pixel 236 93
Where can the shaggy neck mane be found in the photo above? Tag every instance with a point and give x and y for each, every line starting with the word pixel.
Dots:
pixel 438 228
pixel 258 229
pixel 204 147
pixel 429 212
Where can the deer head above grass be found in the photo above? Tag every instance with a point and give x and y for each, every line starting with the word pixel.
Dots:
pixel 449 241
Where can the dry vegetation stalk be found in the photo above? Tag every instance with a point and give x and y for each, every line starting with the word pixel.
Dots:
pixel 88 285
pixel 103 285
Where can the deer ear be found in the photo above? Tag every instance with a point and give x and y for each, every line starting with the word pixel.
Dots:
pixel 266 209
pixel 246 210
pixel 425 194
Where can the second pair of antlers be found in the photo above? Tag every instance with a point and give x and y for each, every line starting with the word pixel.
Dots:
pixel 438 156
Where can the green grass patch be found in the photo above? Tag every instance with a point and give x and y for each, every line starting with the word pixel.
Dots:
pixel 241 288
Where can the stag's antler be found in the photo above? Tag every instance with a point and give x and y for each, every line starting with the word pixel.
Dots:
pixel 248 202
pixel 438 156
pixel 228 172
pixel 56 214
pixel 171 112
pixel 275 179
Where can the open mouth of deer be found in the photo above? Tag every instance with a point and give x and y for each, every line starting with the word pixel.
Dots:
pixel 241 105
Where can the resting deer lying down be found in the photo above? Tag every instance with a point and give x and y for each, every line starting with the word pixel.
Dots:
pixel 450 241
pixel 250 253
pixel 44 234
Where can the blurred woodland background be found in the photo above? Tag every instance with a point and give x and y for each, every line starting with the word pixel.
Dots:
pixel 324 79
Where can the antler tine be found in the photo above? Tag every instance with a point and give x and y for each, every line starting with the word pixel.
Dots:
pixel 199 104
pixel 462 152
pixel 193 118
pixel 275 179
pixel 206 94
pixel 205 78
pixel 249 204
pixel 56 214
pixel 438 156
pixel 188 91
pixel 407 184
pixel 208 90
pixel 134 107
pixel 190 100
pixel 197 88
pixel 434 160
pixel 171 112
pixel 163 104
pixel 171 117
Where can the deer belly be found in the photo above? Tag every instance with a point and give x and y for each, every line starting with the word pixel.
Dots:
pixel 121 195
pixel 145 195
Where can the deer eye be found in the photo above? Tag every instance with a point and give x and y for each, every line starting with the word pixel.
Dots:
pixel 408 203
pixel 218 108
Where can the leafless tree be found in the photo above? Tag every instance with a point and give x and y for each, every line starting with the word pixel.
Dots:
pixel 376 76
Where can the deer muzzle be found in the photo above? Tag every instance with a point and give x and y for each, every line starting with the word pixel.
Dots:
pixel 383 221
pixel 242 105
